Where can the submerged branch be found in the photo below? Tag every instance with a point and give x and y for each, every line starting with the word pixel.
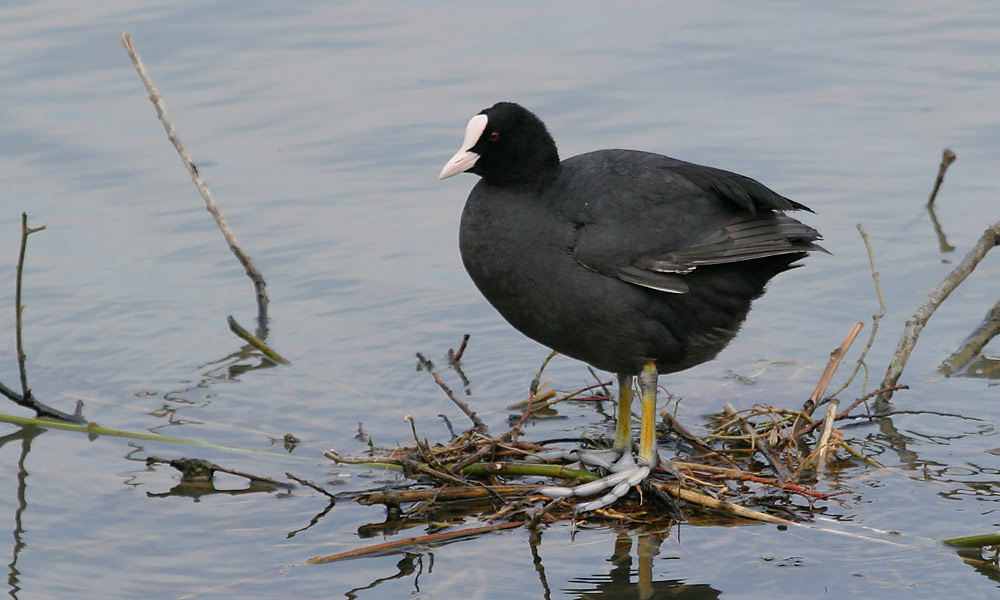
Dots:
pixel 977 340
pixel 915 324
pixel 254 341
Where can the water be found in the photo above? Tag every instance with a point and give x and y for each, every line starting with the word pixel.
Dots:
pixel 321 128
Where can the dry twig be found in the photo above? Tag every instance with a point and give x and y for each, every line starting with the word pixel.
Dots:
pixel 876 318
pixel 480 426
pixel 26 398
pixel 456 355
pixel 727 508
pixel 947 157
pixel 234 246
pixel 532 391
pixel 309 484
pixel 670 421
pixel 824 446
pixel 831 367
pixel 761 444
pixel 847 411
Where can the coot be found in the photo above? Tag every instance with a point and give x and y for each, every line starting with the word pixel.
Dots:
pixel 633 262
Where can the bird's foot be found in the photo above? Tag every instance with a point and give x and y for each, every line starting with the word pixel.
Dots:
pixel 625 473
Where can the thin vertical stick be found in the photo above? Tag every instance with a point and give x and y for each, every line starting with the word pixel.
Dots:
pixel 234 246
pixel 515 431
pixel 947 157
pixel 876 318
pixel 823 447
pixel 25 398
pixel 480 426
pixel 18 307
pixel 831 367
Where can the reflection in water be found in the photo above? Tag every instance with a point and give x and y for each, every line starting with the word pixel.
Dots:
pixel 984 367
pixel 411 564
pixel 618 583
pixel 971 479
pixel 621 582
pixel 25 435
pixel 197 489
pixel 315 519
pixel 891 438
pixel 235 364
pixel 198 479
pixel 984 566
pixel 965 481
pixel 225 369
pixel 534 540
pixel 943 244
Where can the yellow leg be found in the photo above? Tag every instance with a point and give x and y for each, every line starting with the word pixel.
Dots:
pixel 647 431
pixel 623 420
pixel 624 473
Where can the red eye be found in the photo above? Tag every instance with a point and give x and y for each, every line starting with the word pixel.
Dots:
pixel 494 136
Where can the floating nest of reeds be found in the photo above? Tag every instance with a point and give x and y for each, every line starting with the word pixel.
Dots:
pixel 758 464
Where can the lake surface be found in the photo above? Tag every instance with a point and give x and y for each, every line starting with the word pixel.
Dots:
pixel 320 128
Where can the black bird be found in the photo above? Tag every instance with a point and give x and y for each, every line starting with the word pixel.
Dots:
pixel 633 262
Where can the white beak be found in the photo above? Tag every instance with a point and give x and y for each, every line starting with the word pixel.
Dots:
pixel 464 159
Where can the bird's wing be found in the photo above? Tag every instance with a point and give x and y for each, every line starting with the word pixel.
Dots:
pixel 673 217
pixel 770 234
pixel 744 192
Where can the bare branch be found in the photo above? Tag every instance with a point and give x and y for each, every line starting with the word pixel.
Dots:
pixel 26 398
pixel 480 426
pixel 234 246
pixel 876 318
pixel 915 324
pixel 977 340
pixel 761 444
pixel 831 367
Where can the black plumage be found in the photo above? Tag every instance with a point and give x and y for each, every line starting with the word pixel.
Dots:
pixel 633 262
pixel 619 257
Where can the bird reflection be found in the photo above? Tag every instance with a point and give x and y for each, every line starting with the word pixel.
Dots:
pixel 620 583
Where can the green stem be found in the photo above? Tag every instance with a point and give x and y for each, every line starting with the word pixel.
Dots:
pixel 974 541
pixel 511 469
pixel 519 469
pixel 96 430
